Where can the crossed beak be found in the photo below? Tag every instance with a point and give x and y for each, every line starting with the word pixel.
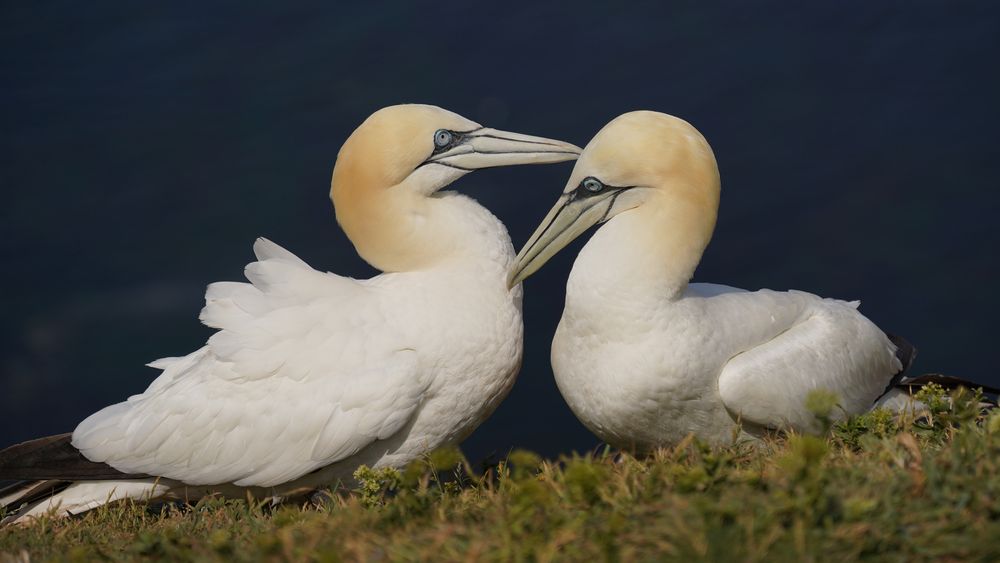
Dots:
pixel 488 148
pixel 573 214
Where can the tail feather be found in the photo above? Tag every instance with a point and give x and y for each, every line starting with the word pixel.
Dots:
pixel 54 457
pixel 32 499
pixel 19 498
pixel 946 381
pixel 905 352
pixel 29 491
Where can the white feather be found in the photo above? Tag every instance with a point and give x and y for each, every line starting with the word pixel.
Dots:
pixel 308 369
pixel 641 369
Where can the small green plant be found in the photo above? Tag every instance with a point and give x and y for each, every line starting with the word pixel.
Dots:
pixel 523 463
pixel 821 403
pixel 993 422
pixel 944 412
pixel 374 484
pixel 934 397
pixel 876 424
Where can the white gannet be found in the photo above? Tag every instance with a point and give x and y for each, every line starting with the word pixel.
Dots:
pixel 312 374
pixel 642 357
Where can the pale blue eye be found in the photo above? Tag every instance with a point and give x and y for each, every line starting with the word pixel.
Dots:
pixel 593 185
pixel 442 138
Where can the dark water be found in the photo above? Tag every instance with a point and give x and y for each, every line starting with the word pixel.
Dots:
pixel 144 148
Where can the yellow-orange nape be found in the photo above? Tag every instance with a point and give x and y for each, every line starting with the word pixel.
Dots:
pixel 653 165
pixel 392 163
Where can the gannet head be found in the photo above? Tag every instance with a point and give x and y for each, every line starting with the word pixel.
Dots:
pixel 642 161
pixel 400 156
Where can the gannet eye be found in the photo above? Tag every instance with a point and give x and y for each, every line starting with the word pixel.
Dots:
pixel 442 138
pixel 592 185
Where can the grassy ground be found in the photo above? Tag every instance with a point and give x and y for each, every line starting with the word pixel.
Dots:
pixel 875 488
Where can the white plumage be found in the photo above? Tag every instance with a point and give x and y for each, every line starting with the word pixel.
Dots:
pixel 709 359
pixel 311 368
pixel 304 371
pixel 312 374
pixel 642 357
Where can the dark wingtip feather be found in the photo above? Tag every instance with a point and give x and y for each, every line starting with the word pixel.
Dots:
pixel 30 492
pixel 905 351
pixel 946 381
pixel 54 457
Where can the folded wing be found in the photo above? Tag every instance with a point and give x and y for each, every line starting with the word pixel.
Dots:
pixel 304 371
pixel 827 345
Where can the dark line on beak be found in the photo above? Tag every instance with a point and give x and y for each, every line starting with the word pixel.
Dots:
pixel 455 166
pixel 546 229
pixel 573 196
pixel 517 140
pixel 474 151
pixel 552 222
pixel 610 205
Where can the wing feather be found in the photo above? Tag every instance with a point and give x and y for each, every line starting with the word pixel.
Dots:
pixel 304 371
pixel 829 345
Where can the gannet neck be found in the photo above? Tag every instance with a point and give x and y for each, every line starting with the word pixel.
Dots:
pixel 653 181
pixel 650 252
pixel 380 196
pixel 396 229
pixel 391 228
pixel 389 171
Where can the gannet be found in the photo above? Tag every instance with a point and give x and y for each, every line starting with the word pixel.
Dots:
pixel 644 358
pixel 312 374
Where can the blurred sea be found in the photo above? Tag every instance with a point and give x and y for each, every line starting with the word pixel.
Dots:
pixel 145 146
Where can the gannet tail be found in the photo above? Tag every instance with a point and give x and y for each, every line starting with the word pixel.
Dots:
pixel 946 381
pixel 45 470
pixel 905 353
pixel 53 457
pixel 28 500
pixel 898 394
pixel 22 496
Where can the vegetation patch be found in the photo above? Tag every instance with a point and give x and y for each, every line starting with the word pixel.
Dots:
pixel 876 487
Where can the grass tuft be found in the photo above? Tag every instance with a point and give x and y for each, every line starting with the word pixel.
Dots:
pixel 876 486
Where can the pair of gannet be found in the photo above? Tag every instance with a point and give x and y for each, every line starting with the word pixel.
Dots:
pixel 642 357
pixel 312 374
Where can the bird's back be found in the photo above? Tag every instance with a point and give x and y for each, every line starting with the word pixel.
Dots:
pixel 651 375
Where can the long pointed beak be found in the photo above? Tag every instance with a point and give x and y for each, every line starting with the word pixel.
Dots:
pixel 487 148
pixel 571 217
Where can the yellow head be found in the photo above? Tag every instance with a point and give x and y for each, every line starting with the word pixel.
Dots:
pixel 401 155
pixel 642 162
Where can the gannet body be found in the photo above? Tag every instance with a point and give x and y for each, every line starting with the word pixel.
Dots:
pixel 312 374
pixel 642 357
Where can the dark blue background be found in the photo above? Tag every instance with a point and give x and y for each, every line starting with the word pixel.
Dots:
pixel 144 148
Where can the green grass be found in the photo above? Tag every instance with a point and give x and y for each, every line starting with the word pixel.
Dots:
pixel 876 487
